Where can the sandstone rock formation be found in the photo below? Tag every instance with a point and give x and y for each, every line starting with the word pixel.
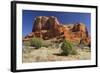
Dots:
pixel 49 27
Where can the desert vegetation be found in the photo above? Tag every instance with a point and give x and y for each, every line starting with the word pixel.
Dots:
pixel 53 41
pixel 39 50
pixel 68 48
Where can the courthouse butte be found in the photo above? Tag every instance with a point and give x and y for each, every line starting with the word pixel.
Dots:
pixel 48 27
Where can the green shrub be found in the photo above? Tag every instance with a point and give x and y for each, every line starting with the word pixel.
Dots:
pixel 36 42
pixel 67 48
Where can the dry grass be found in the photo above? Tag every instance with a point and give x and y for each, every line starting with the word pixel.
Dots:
pixel 51 54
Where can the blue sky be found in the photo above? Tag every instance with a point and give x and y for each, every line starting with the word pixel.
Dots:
pixel 28 17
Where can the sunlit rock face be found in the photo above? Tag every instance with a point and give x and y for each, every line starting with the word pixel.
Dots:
pixel 49 27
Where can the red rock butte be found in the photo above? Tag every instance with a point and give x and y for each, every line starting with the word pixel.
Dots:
pixel 49 27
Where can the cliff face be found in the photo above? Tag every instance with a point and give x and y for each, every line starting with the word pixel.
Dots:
pixel 49 27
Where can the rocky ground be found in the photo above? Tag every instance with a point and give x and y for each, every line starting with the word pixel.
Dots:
pixel 47 54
